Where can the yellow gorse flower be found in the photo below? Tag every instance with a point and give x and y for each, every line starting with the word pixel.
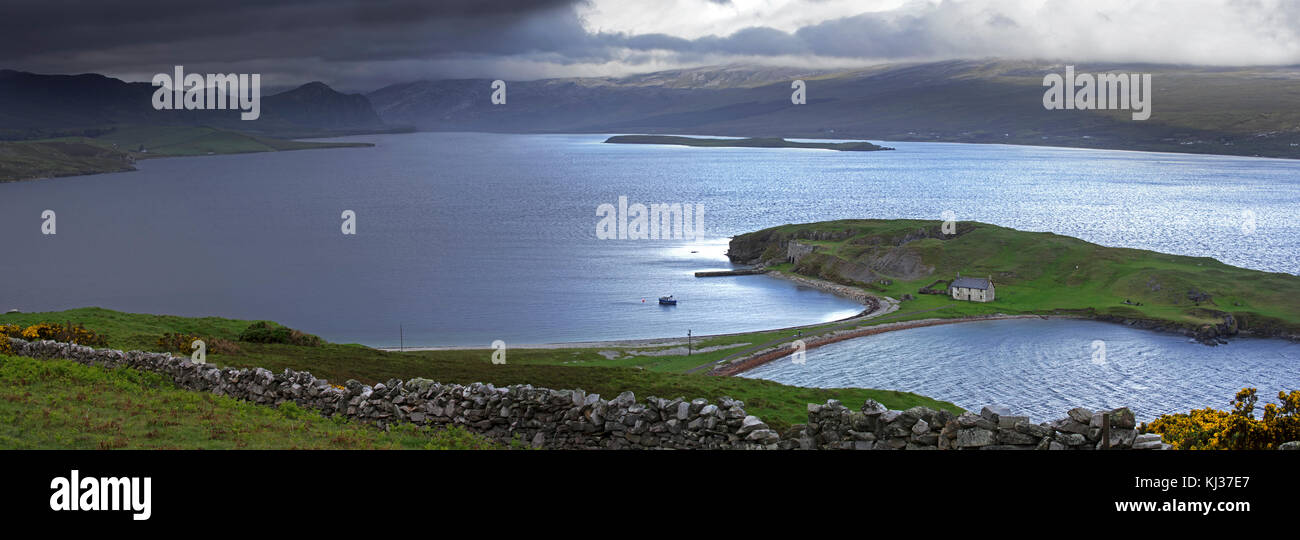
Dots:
pixel 1238 429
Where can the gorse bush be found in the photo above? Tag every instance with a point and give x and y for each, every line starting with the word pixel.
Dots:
pixel 1238 429
pixel 58 332
pixel 265 332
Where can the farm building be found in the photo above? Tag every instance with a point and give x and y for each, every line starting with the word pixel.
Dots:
pixel 973 289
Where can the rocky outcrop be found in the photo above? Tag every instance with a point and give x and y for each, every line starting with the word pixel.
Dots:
pixel 872 302
pixel 1208 334
pixel 770 245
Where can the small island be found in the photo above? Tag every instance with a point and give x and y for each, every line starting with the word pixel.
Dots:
pixel 753 142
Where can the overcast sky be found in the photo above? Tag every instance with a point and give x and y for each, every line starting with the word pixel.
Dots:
pixel 362 45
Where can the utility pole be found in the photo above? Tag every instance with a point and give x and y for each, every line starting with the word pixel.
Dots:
pixel 401 339
pixel 688 343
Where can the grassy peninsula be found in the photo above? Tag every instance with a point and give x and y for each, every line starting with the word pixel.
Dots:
pixel 118 149
pixel 1033 272
pixel 765 142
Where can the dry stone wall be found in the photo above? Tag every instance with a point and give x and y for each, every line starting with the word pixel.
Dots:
pixel 835 427
pixel 573 419
pixel 561 419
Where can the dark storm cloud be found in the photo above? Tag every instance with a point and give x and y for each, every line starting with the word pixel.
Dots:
pixel 144 35
pixel 364 44
pixel 48 26
pixel 138 32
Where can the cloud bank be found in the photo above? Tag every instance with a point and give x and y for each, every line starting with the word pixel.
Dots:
pixel 361 45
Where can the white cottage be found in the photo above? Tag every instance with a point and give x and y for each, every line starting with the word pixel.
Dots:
pixel 973 289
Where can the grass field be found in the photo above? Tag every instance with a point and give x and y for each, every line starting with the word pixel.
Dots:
pixel 59 404
pixel 779 405
pixel 47 159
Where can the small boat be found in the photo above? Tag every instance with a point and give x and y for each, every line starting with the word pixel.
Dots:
pixel 667 300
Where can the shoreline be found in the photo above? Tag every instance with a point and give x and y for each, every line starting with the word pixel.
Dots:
pixel 130 159
pixel 778 352
pixel 870 302
pixel 626 343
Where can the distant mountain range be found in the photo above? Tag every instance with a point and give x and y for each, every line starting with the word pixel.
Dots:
pixel 42 106
pixel 1246 111
pixel 62 125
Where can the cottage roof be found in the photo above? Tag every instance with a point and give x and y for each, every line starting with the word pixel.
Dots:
pixel 971 283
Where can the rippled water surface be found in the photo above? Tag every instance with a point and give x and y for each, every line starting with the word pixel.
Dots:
pixel 468 238
pixel 1043 368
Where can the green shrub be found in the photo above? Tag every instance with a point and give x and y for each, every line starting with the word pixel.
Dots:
pixel 266 332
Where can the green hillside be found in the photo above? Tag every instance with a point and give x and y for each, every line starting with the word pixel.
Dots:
pixel 59 404
pixel 47 159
